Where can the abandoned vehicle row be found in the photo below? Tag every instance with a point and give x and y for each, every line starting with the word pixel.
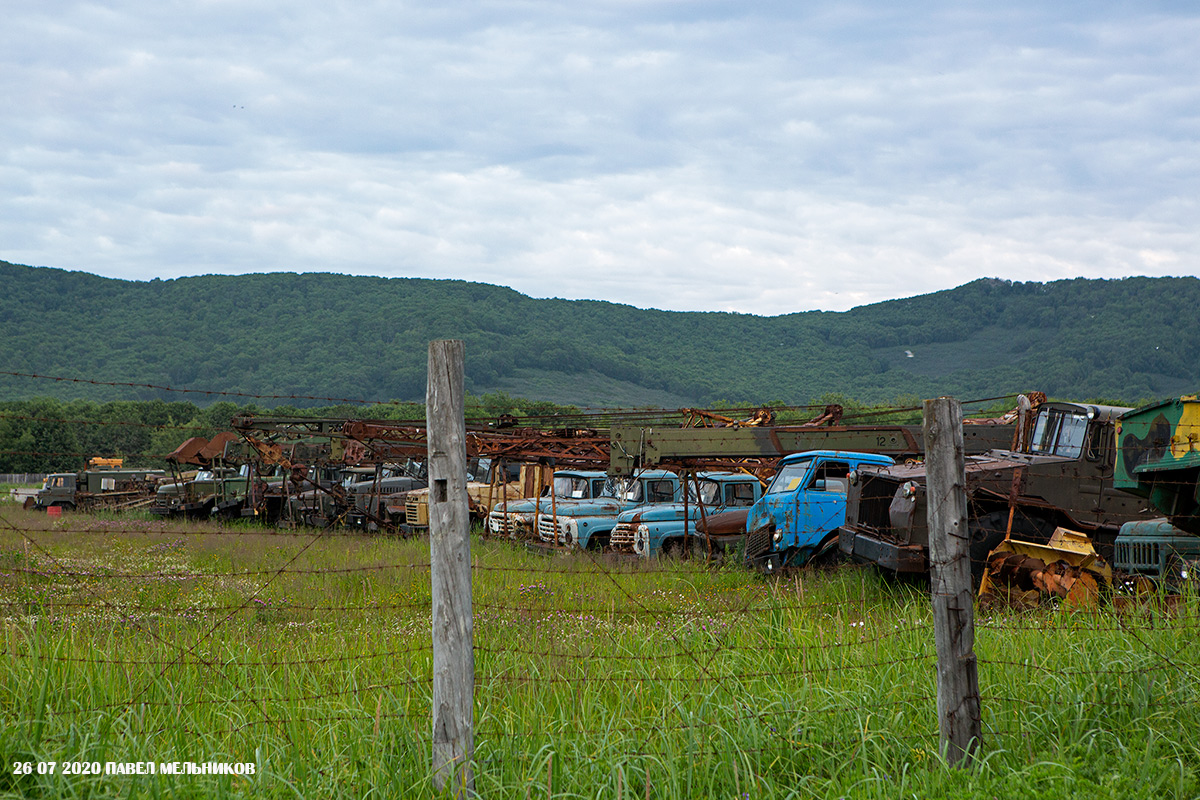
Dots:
pixel 1088 488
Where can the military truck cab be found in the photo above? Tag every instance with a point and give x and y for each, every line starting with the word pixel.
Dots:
pixel 798 517
pixel 58 490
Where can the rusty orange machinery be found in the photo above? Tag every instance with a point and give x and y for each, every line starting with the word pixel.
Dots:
pixel 565 448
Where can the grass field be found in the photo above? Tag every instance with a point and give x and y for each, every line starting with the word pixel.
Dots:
pixel 131 640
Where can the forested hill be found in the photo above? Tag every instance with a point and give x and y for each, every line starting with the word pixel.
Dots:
pixel 365 339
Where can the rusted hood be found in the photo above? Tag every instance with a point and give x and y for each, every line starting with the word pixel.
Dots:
pixel 727 523
pixel 200 451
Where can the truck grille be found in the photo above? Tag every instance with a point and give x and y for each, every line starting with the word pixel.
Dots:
pixel 514 525
pixel 413 508
pixel 1141 557
pixel 875 500
pixel 499 524
pixel 758 544
pixel 549 532
pixel 622 536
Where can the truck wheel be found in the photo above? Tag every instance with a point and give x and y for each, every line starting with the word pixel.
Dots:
pixel 29 503
pixel 827 551
pixel 986 532
pixel 699 551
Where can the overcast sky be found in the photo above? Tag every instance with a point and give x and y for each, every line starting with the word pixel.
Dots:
pixel 765 157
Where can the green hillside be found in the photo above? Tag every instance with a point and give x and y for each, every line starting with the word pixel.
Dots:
pixel 365 338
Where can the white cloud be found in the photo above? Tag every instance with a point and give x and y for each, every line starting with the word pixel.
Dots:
pixel 764 158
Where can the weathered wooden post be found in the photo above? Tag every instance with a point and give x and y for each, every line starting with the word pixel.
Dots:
pixel 450 572
pixel 950 575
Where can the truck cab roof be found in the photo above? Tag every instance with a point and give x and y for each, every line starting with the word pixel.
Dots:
pixel 841 455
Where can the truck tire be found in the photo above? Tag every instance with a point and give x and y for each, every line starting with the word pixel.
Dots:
pixel 827 551
pixel 29 503
pixel 672 548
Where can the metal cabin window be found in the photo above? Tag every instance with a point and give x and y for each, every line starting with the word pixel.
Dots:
pixel 831 476
pixel 660 491
pixel 739 495
pixel 575 488
pixel 1059 432
pixel 710 492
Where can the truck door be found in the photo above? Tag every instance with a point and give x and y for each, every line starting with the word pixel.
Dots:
pixel 821 507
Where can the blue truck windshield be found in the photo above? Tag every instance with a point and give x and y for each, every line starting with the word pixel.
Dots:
pixel 575 488
pixel 790 477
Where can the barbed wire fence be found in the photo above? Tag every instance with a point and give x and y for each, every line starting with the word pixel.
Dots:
pixel 584 666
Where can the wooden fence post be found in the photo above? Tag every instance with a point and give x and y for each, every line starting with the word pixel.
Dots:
pixel 450 572
pixel 950 576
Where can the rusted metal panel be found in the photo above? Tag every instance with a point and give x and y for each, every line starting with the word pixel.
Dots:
pixel 1067 567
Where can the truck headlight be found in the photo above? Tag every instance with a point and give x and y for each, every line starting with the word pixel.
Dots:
pixel 776 534
pixel 909 490
pixel 852 477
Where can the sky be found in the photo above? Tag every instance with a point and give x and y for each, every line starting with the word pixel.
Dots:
pixel 760 157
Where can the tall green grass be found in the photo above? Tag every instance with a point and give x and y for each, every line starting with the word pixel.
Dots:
pixel 310 657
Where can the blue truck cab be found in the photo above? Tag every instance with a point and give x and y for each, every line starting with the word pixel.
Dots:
pixel 799 515
pixel 515 518
pixel 589 523
pixel 666 527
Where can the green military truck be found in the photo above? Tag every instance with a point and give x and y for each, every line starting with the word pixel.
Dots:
pixel 1158 459
pixel 217 491
pixel 105 484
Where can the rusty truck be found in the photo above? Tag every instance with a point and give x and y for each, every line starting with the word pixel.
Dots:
pixel 516 518
pixel 1059 474
pixel 671 527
